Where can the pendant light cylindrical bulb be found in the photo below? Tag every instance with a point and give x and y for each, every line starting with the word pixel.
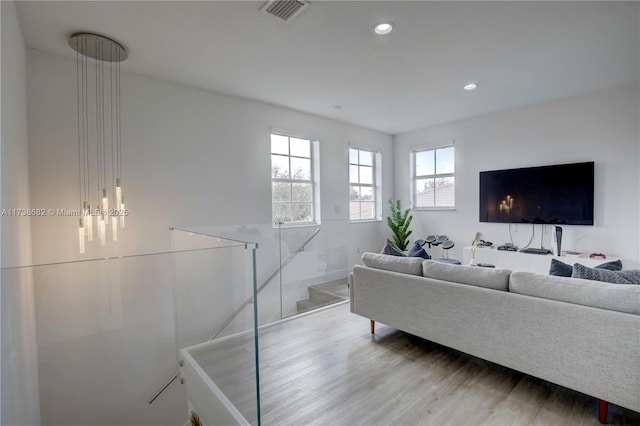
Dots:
pixel 81 236
pixel 122 211
pixel 114 228
pixel 118 194
pixel 105 206
pixel 88 223
pixel 102 231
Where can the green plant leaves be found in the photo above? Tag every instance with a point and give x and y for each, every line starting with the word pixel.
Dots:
pixel 399 222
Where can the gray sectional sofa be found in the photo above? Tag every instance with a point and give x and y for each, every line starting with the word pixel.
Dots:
pixel 584 335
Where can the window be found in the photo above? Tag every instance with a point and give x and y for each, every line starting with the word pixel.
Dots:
pixel 434 178
pixel 364 191
pixel 292 180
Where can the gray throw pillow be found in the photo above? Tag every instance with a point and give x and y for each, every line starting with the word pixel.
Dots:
pixel 614 277
pixel 614 265
pixel 418 251
pixel 392 249
pixel 561 269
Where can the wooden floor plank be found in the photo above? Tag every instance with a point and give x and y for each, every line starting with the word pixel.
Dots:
pixel 326 368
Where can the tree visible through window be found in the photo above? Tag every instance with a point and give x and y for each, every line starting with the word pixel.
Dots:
pixel 362 184
pixel 434 178
pixel 291 179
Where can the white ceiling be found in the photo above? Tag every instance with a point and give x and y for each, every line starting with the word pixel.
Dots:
pixel 519 52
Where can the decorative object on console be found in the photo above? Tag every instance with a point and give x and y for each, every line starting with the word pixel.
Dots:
pixel 558 240
pixel 531 250
pixel 399 222
pixel 570 253
pixel 472 262
pixel 103 73
pixel 561 269
pixel 600 255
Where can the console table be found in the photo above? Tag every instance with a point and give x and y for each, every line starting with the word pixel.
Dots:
pixel 517 261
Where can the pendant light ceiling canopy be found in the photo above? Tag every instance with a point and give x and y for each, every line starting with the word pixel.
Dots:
pixel 98 47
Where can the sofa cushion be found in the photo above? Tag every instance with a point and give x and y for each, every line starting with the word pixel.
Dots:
pixel 614 297
pixel 497 279
pixel 561 269
pixel 391 249
pixel 405 265
pixel 614 277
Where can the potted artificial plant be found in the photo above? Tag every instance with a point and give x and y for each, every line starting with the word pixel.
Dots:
pixel 399 222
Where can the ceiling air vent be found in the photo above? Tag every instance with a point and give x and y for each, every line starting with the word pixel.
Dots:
pixel 284 9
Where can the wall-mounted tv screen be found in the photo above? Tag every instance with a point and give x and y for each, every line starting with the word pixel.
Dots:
pixel 560 194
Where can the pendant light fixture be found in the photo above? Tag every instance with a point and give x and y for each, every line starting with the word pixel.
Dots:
pixel 98 86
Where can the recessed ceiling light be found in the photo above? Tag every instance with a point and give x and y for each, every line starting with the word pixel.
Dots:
pixel 470 86
pixel 383 28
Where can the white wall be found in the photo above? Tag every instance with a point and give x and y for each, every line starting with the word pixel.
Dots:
pixel 19 396
pixel 601 126
pixel 191 158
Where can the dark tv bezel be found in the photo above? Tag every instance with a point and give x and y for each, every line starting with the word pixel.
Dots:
pixel 561 221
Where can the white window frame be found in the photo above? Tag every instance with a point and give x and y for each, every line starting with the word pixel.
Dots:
pixel 314 181
pixel 376 185
pixel 414 176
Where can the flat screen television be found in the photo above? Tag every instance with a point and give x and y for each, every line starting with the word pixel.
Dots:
pixel 558 194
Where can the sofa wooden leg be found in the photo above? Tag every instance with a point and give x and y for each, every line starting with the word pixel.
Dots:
pixel 373 326
pixel 603 410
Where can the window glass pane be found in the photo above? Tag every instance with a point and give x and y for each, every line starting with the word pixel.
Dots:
pixel 366 193
pixel 353 156
pixel 366 174
pixel 281 191
pixel 445 193
pixel 366 158
pixel 300 168
pixel 279 144
pixel 354 193
pixel 445 160
pixel 353 174
pixel 425 192
pixel 279 167
pixel 354 210
pixel 302 212
pixel 367 210
pixel 291 179
pixel 302 192
pixel 281 212
pixel 424 163
pixel 301 147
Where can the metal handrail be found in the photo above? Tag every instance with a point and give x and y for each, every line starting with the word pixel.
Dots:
pixel 244 305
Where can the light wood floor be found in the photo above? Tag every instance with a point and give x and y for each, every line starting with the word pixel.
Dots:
pixel 326 369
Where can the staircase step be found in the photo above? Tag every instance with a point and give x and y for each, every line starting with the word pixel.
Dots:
pixel 306 305
pixel 321 295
